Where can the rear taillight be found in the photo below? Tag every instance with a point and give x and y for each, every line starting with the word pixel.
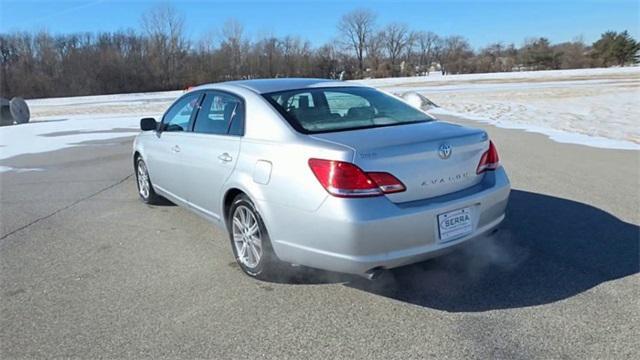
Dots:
pixel 345 179
pixel 386 182
pixel 489 160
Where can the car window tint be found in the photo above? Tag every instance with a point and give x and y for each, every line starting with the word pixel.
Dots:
pixel 217 113
pixel 178 117
pixel 341 102
pixel 237 123
pixel 342 108
pixel 300 101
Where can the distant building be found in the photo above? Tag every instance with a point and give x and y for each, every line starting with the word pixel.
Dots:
pixel 434 69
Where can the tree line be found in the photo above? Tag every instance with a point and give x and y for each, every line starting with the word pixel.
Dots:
pixel 159 56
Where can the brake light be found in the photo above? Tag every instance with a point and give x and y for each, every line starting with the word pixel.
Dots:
pixel 345 179
pixel 386 182
pixel 489 160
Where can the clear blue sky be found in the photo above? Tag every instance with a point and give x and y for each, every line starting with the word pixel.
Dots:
pixel 481 22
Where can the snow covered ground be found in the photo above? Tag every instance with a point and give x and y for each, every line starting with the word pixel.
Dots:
pixel 55 134
pixel 594 107
pixel 58 123
pixel 121 104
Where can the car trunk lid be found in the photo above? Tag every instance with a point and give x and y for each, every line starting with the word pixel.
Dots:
pixel 417 155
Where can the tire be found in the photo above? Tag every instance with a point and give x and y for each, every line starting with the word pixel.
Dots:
pixel 243 216
pixel 143 182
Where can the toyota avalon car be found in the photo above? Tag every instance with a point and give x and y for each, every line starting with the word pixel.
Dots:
pixel 325 174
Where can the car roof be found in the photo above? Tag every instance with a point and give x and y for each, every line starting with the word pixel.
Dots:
pixel 263 86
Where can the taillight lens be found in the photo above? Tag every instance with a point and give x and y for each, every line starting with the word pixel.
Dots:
pixel 345 179
pixel 386 182
pixel 489 160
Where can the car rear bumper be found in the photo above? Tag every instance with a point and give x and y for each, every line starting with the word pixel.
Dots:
pixel 358 235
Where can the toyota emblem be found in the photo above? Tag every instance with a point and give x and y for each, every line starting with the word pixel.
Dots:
pixel 444 151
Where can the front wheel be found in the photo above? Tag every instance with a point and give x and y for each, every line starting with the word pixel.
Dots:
pixel 250 240
pixel 145 189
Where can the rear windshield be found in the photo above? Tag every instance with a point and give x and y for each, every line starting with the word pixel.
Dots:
pixel 321 110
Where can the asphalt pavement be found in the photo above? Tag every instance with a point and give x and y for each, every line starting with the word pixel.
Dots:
pixel 89 271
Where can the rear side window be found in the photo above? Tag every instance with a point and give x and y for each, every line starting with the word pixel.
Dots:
pixel 220 114
pixel 342 108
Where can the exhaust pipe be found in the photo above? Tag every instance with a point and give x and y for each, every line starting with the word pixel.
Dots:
pixel 374 273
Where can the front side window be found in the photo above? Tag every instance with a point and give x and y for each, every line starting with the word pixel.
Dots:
pixel 178 117
pixel 220 114
pixel 342 108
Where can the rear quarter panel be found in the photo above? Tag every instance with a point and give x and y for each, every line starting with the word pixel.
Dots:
pixel 290 182
pixel 270 142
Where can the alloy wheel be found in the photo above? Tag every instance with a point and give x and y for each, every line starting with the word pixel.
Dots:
pixel 247 236
pixel 143 180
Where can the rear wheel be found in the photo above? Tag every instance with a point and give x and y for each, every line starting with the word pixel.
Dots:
pixel 250 240
pixel 145 189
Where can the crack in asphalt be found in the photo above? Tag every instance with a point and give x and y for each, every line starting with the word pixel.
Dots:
pixel 66 207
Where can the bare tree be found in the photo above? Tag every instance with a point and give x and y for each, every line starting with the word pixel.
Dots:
pixel 268 52
pixel 375 52
pixel 326 62
pixel 163 21
pixel 455 54
pixel 296 55
pixel 396 40
pixel 409 54
pixel 573 54
pixel 232 32
pixel 234 47
pixel 428 44
pixel 496 57
pixel 158 56
pixel 164 27
pixel 356 27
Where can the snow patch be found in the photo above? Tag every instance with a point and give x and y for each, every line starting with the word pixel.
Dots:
pixel 553 75
pixel 592 107
pixel 18 170
pixel 45 136
pixel 555 135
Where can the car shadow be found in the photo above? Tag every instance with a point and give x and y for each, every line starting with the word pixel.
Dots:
pixel 548 249
pixel 162 201
pixel 302 275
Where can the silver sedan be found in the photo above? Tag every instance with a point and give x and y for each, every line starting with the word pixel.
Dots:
pixel 321 173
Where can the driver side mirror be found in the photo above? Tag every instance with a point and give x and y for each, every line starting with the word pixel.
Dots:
pixel 148 124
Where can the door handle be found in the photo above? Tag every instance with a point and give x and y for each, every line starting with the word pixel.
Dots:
pixel 175 149
pixel 225 157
